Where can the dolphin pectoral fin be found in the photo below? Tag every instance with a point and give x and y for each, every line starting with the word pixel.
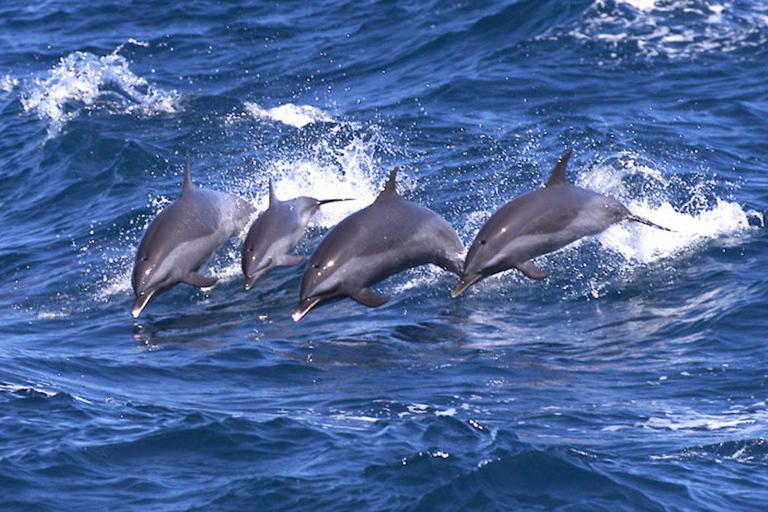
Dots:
pixel 531 271
pixel 635 218
pixel 289 260
pixel 464 283
pixel 366 297
pixel 196 279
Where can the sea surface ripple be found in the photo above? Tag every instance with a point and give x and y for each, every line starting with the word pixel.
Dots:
pixel 634 378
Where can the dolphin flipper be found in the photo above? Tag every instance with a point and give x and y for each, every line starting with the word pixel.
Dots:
pixel 196 279
pixel 289 260
pixel 531 271
pixel 366 297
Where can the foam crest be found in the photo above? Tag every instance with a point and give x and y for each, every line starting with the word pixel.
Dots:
pixel 675 28
pixel 82 80
pixel 8 83
pixel 701 218
pixel 297 116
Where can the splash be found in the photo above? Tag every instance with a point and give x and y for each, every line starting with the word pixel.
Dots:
pixel 694 220
pixel 8 84
pixel 326 170
pixel 82 80
pixel 297 116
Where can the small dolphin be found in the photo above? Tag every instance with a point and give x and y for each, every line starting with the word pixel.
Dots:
pixel 182 238
pixel 385 238
pixel 537 223
pixel 275 233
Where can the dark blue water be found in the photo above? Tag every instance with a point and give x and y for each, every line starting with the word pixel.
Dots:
pixel 634 378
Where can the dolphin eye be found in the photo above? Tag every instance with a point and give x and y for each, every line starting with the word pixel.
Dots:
pixel 482 242
pixel 250 249
pixel 315 265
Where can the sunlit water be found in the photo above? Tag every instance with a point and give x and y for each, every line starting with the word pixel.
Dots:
pixel 633 378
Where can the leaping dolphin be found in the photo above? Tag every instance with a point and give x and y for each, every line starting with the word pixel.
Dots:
pixel 183 237
pixel 275 233
pixel 385 238
pixel 537 223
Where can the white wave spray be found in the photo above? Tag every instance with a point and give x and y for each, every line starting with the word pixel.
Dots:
pixel 83 80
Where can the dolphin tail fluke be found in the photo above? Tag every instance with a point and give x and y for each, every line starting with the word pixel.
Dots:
pixel 464 283
pixel 635 218
pixel 321 202
pixel 366 297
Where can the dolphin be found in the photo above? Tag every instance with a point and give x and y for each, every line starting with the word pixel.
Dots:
pixel 183 237
pixel 537 223
pixel 275 233
pixel 387 237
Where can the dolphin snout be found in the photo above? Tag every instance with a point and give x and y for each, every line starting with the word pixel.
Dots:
pixel 255 275
pixel 304 307
pixel 249 280
pixel 464 283
pixel 142 298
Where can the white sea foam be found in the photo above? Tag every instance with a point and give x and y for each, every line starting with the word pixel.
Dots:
pixel 672 28
pixel 692 226
pixel 692 420
pixel 15 388
pixel 82 80
pixel 297 116
pixel 8 83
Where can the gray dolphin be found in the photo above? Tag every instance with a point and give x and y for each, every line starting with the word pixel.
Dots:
pixel 275 233
pixel 385 238
pixel 183 237
pixel 537 223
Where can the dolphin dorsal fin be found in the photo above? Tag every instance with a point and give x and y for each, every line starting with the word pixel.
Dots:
pixel 272 196
pixel 389 187
pixel 188 185
pixel 558 173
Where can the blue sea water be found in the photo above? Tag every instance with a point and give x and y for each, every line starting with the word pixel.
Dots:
pixel 634 378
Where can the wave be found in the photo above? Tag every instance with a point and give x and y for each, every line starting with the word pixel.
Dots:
pixel 82 81
pixel 695 219
pixel 673 29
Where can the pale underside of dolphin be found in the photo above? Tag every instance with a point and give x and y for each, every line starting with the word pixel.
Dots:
pixel 538 223
pixel 182 238
pixel 275 233
pixel 387 237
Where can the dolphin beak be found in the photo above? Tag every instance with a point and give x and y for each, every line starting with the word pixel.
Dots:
pixel 256 274
pixel 464 283
pixel 304 307
pixel 250 279
pixel 141 302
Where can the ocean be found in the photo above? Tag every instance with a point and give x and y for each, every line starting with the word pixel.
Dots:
pixel 633 378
